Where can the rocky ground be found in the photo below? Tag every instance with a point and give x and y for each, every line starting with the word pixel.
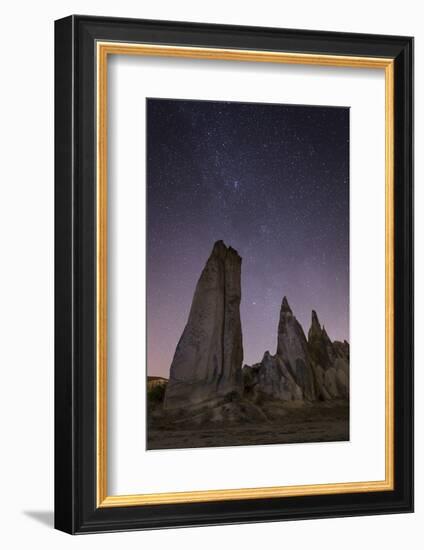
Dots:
pixel 245 423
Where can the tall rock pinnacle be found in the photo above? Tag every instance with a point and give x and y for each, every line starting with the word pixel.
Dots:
pixel 285 306
pixel 315 329
pixel 330 361
pixel 320 346
pixel 208 358
pixel 292 348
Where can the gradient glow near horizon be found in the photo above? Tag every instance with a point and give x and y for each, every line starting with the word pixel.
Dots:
pixel 272 181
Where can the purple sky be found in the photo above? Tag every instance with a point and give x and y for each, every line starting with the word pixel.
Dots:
pixel 272 181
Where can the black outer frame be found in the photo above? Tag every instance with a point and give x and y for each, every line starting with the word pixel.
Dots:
pixel 75 275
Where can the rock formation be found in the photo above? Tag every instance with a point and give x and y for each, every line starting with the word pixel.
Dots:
pixel 330 362
pixel 292 348
pixel 271 378
pixel 208 358
pixel 288 375
pixel 302 369
pixel 206 368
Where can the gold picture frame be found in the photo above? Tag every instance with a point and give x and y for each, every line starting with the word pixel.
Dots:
pixel 106 49
pixel 83 46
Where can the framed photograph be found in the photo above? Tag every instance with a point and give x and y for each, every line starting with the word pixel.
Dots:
pixel 234 274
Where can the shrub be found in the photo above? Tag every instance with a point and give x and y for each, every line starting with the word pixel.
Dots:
pixel 156 394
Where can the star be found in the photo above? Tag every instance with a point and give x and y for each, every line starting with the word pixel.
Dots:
pixel 272 181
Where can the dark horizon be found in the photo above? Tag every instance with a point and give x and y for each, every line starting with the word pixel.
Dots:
pixel 272 181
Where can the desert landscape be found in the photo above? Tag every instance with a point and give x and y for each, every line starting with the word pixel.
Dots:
pixel 299 394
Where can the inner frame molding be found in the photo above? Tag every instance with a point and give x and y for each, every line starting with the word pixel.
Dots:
pixel 103 50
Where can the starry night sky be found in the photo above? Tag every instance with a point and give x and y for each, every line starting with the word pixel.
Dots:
pixel 272 181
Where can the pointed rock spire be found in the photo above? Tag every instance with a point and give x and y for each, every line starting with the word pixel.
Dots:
pixel 208 358
pixel 315 320
pixel 285 308
pixel 315 331
pixel 320 347
pixel 292 348
pixel 325 335
pixel 219 250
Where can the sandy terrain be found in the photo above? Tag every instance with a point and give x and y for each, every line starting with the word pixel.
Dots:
pixel 283 424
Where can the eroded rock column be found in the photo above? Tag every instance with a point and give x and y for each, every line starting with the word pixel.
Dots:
pixel 208 358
